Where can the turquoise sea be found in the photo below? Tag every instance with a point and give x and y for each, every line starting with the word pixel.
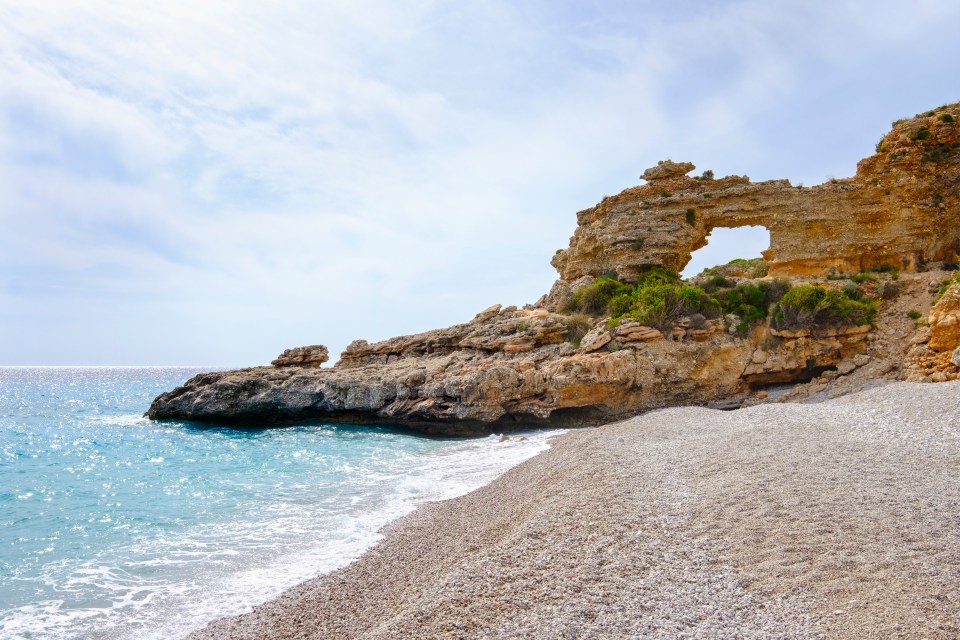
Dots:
pixel 113 526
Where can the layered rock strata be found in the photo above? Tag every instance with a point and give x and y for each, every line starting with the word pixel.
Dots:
pixel 513 368
pixel 312 356
pixel 505 368
pixel 899 210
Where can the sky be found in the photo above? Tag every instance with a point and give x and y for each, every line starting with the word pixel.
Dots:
pixel 209 183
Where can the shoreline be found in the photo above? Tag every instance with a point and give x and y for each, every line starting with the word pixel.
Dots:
pixel 828 520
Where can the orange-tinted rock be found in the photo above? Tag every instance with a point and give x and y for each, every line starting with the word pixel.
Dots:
pixel 932 354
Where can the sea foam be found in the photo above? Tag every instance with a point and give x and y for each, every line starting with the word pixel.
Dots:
pixel 117 527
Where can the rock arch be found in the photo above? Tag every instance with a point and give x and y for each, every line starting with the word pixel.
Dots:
pixel 724 244
pixel 901 209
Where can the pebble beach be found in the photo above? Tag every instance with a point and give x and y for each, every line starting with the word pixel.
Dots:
pixel 838 519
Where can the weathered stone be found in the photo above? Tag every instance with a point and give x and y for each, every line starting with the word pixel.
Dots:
pixel 934 348
pixel 595 339
pixel 944 333
pixel 488 313
pixel 667 169
pixel 311 356
pixel 846 367
pixel 898 210
pixel 636 332
pixel 787 333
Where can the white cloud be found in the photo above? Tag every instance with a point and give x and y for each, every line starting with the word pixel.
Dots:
pixel 242 177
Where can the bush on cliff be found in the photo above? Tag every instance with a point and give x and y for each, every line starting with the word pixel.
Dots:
pixel 657 299
pixel 739 267
pixel 813 307
pixel 750 301
pixel 578 324
pixel 594 299
pixel 660 298
pixel 747 301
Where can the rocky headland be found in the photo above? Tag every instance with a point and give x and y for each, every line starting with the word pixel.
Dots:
pixel 858 285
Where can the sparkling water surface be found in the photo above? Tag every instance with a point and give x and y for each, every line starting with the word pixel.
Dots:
pixel 113 526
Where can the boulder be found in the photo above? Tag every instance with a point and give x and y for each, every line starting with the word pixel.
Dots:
pixel 667 169
pixel 310 356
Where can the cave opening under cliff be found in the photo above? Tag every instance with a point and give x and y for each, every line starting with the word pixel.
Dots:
pixel 725 244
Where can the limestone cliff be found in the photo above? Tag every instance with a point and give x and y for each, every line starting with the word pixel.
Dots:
pixel 513 368
pixel 899 210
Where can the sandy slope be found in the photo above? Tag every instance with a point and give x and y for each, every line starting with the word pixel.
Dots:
pixel 834 520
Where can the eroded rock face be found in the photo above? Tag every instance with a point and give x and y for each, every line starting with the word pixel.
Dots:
pixel 508 369
pixel 791 356
pixel 902 209
pixel 935 353
pixel 311 356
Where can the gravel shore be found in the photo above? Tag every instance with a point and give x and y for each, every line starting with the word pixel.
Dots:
pixel 831 520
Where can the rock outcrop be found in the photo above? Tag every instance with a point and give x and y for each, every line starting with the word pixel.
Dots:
pixel 934 355
pixel 312 356
pixel 899 210
pixel 507 370
pixel 512 368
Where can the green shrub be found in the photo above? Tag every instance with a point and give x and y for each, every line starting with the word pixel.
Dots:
pixel 913 314
pixel 594 298
pixel 752 268
pixel 942 289
pixel 776 289
pixel 852 291
pixel 879 146
pixel 921 134
pixel 664 193
pixel 746 301
pixel 691 215
pixel 717 282
pixel 946 117
pixel 659 298
pixel 813 307
pixel 750 301
pixel 860 278
pixel 578 324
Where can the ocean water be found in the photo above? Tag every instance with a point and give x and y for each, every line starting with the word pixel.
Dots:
pixel 113 526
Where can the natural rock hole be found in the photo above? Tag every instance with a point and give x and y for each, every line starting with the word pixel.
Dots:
pixel 725 244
